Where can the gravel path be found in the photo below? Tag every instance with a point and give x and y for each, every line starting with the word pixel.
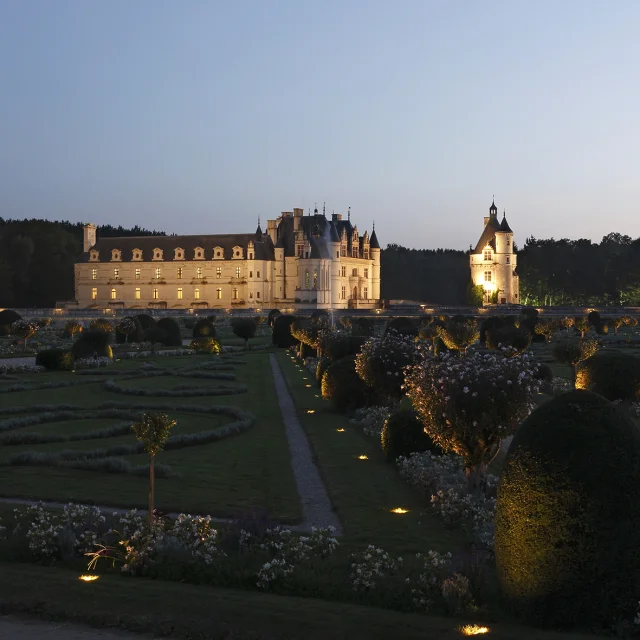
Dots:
pixel 29 629
pixel 316 506
pixel 31 360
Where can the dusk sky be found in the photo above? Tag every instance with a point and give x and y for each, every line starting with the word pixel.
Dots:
pixel 199 116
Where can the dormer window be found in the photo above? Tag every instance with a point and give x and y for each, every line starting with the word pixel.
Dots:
pixel 178 254
pixel 218 253
pixel 157 254
pixel 94 255
pixel 116 254
pixel 136 254
pixel 237 252
pixel 251 256
pixel 487 254
pixel 198 253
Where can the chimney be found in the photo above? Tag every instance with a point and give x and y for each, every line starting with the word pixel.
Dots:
pixel 88 236
pixel 297 213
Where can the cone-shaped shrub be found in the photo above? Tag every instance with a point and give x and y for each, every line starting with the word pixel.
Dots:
pixel 281 332
pixel 566 529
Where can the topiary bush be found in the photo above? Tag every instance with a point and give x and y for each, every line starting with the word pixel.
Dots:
pixel 593 318
pixel 71 329
pixel 614 375
pixel 101 324
pixel 343 387
pixel 490 324
pixel 602 328
pixel 244 328
pixel 320 317
pixel 273 314
pixel 459 335
pixel 128 330
pixel 362 326
pixel 543 373
pixel 172 334
pixel 508 339
pixel 206 345
pixel 405 326
pixel 204 328
pixel 55 360
pixel 566 528
pixel 403 434
pixel 92 344
pixel 281 332
pixel 321 367
pixel 7 318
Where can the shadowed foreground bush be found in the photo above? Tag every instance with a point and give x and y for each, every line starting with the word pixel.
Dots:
pixel 55 360
pixel 343 386
pixel 616 376
pixel 403 434
pixel 92 344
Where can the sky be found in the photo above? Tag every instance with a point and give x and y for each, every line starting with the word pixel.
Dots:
pixel 198 116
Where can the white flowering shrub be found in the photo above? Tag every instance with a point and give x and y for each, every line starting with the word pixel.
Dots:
pixel 372 566
pixel 371 420
pixel 560 385
pixel 469 404
pixel 434 570
pixel 456 594
pixel 382 361
pixel 6 369
pixel 273 571
pixel 93 363
pixel 198 536
pixel 137 543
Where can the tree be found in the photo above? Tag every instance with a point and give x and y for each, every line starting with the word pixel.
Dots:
pixel 582 325
pixel 127 327
pixel 615 322
pixel 153 431
pixel 71 328
pixel 475 294
pixel 244 328
pixel 459 336
pixel 24 330
pixel 573 352
pixel 469 404
pixel 544 328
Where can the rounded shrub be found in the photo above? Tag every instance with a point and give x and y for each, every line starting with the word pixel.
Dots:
pixel 92 344
pixel 514 339
pixel 361 326
pixel 128 330
pixel 544 373
pixel 71 328
pixel 490 324
pixel 8 317
pixel 593 318
pixel 172 334
pixel 566 528
pixel 602 328
pixel 405 326
pixel 281 332
pixel 273 314
pixel 145 320
pixel 616 376
pixel 343 386
pixel 101 324
pixel 206 345
pixel 204 328
pixel 55 360
pixel 244 328
pixel 321 367
pixel 403 434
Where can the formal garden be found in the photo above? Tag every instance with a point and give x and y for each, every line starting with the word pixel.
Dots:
pixel 443 475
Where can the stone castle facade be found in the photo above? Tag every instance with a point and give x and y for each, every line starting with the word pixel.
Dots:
pixel 299 261
pixel 493 262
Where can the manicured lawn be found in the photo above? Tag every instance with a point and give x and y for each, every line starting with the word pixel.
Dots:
pixel 251 470
pixel 363 492
pixel 168 609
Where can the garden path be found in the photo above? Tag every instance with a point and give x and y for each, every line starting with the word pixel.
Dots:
pixel 31 360
pixel 316 507
pixel 29 629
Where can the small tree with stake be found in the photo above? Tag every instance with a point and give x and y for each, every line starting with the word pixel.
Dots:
pixel 153 431
pixel 24 330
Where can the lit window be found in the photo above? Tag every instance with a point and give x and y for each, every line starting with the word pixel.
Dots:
pixel 487 254
pixel 179 273
pixel 365 293
pixel 315 278
pixel 238 272
pixel 114 294
pixel 366 273
pixel 94 294
pixel 258 294
pixel 235 293
pixel 196 294
pixel 306 279
pixel 137 293
pixel 344 292
pixel 158 273
pixel 179 293
pixel 218 272
pixel 155 294
pixel 487 276
pixel 116 273
pixel 219 293
pixel 137 274
pixel 199 272
pixel 94 274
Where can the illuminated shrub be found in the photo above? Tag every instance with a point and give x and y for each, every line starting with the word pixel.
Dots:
pixel 629 321
pixel 24 330
pixel 92 344
pixel 582 325
pixel 405 326
pixel 567 322
pixel 508 339
pixel 343 386
pixel 71 329
pixel 206 345
pixel 172 334
pixel 55 360
pixel 403 434
pixel 128 330
pixel 566 540
pixel 204 328
pixel 335 346
pixel 321 367
pixel 281 331
pixel 305 332
pixel 273 314
pixel 43 322
pixel 101 324
pixel 545 329
pixel 615 323
pixel 459 335
pixel 616 376
pixel 572 352
pixel 381 363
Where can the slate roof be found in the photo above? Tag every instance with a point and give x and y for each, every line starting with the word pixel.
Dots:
pixel 504 225
pixel 263 248
pixel 489 234
pixel 373 241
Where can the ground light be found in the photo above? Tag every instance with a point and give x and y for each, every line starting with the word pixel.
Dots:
pixel 307 385
pixel 473 630
pixel 399 510
pixel 88 578
pixel 311 410
pixel 363 457
pixel 341 430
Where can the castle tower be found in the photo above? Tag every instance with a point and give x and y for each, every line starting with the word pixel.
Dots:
pixel 374 247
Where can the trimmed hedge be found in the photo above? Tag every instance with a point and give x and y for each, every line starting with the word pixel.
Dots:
pixel 281 332
pixel 55 360
pixel 206 345
pixel 204 328
pixel 172 334
pixel 343 386
pixel 92 343
pixel 516 338
pixel 490 324
pixel 616 376
pixel 403 434
pixel 593 317
pixel 566 530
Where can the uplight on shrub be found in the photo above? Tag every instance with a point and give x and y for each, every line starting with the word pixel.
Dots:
pixel 399 510
pixel 363 457
pixel 473 630
pixel 341 430
pixel 311 410
pixel 88 578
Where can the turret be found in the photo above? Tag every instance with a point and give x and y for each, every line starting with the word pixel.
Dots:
pixel 504 237
pixel 89 236
pixel 374 245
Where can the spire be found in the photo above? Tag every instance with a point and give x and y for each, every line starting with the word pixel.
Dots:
pixel 259 230
pixel 324 206
pixel 315 211
pixel 493 210
pixel 349 214
pixel 373 240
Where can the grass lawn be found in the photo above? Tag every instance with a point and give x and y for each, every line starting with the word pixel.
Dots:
pixel 169 609
pixel 251 470
pixel 363 492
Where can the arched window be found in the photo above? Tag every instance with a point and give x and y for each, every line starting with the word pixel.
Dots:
pixel 196 294
pixel 178 254
pixel 137 254
pixel 306 279
pixel 114 294
pixel 235 293
pixel 315 278
pixel 94 255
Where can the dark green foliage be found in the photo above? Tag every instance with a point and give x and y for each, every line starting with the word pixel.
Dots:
pixel 566 533
pixel 204 328
pixel 544 373
pixel 403 434
pixel 320 317
pixel 614 375
pixel 321 367
pixel 171 329
pixel 361 326
pixel 244 328
pixel 145 320
pixel 136 335
pixel 593 318
pixel 55 360
pixel 206 345
pixel 406 326
pixel 516 339
pixel 342 385
pixel 338 346
pixel 151 331
pixel 273 314
pixel 602 328
pixel 92 344
pixel 439 346
pixel 281 333
pixel 490 324
pixel 8 317
pixel 101 324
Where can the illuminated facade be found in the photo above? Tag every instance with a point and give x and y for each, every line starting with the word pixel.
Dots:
pixel 299 261
pixel 493 262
